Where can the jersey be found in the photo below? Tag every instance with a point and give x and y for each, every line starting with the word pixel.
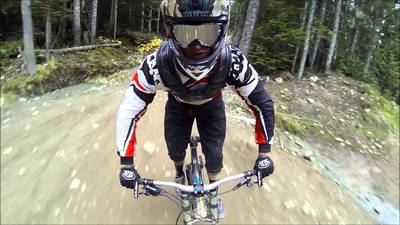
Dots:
pixel 146 81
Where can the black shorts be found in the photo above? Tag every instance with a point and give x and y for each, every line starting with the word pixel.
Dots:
pixel 211 124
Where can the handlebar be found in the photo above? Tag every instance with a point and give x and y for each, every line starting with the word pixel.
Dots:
pixel 190 189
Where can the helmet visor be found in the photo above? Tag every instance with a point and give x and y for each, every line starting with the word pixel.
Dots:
pixel 206 34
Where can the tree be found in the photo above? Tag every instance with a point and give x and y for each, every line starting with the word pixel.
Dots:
pixel 318 35
pixel 303 22
pixel 64 22
pixel 376 28
pixel 307 39
pixel 142 18
pixel 77 23
pixel 93 26
pixel 29 55
pixel 149 19
pixel 131 12
pixel 48 33
pixel 251 18
pixel 158 20
pixel 332 46
pixel 115 18
pixel 112 12
pixel 239 22
pixel 357 29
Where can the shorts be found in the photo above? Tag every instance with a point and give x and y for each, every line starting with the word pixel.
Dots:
pixel 211 124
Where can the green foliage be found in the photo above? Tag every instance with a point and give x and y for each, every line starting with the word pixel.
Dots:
pixel 386 110
pixel 384 70
pixel 25 84
pixel 10 48
pixel 67 70
pixel 141 38
pixel 55 7
pixel 276 36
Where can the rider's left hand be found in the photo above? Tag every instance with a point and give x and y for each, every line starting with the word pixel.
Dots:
pixel 264 166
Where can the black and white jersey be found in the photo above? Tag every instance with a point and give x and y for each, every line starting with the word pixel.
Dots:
pixel 146 81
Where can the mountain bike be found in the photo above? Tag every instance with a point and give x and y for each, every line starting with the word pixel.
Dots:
pixel 198 202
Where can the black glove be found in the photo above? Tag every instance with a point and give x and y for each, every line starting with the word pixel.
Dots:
pixel 264 166
pixel 129 177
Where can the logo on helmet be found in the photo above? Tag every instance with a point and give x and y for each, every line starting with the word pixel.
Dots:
pixel 196 7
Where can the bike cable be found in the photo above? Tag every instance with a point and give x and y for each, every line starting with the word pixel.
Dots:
pixel 177 219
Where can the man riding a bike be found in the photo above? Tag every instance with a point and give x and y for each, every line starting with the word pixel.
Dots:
pixel 193 65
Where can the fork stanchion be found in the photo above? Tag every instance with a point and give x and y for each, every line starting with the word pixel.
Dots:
pixel 187 218
pixel 214 205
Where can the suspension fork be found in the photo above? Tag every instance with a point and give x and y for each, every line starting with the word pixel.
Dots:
pixel 187 218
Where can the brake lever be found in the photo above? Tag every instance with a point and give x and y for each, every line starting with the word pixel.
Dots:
pixel 246 180
pixel 260 181
pixel 152 191
pixel 136 190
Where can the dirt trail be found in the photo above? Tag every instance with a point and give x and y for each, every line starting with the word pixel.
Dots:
pixel 58 165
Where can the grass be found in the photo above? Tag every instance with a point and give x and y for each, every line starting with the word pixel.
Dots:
pixel 379 113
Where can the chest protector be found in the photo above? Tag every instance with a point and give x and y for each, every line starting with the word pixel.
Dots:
pixel 169 76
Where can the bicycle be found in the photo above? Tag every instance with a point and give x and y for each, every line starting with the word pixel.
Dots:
pixel 198 202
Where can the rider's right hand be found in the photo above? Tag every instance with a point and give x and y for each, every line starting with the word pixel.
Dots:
pixel 128 176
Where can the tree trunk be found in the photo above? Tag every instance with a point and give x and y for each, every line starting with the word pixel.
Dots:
pixel 80 48
pixel 149 21
pixel 29 55
pixel 332 46
pixel 93 26
pixel 131 11
pixel 158 20
pixel 142 18
pixel 235 38
pixel 318 35
pixel 112 13
pixel 64 23
pixel 248 29
pixel 48 34
pixel 77 23
pixel 115 18
pixel 355 39
pixel 372 45
pixel 307 39
pixel 240 23
pixel 303 22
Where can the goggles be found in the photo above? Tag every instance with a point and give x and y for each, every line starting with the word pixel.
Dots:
pixel 206 34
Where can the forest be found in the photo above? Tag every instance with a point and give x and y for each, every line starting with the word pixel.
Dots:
pixel 355 38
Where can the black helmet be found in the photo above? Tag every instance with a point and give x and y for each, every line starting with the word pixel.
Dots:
pixel 205 21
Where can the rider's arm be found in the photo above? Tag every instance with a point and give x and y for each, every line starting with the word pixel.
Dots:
pixel 247 84
pixel 139 94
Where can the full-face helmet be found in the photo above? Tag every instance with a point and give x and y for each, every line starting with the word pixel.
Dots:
pixel 204 21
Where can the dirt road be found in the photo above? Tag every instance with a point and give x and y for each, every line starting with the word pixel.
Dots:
pixel 59 165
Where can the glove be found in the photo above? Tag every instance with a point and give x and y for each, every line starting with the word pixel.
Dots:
pixel 129 177
pixel 264 166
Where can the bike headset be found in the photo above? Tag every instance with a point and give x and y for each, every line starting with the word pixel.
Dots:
pixel 188 21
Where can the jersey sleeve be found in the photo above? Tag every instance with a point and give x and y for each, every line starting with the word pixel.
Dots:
pixel 247 84
pixel 137 97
